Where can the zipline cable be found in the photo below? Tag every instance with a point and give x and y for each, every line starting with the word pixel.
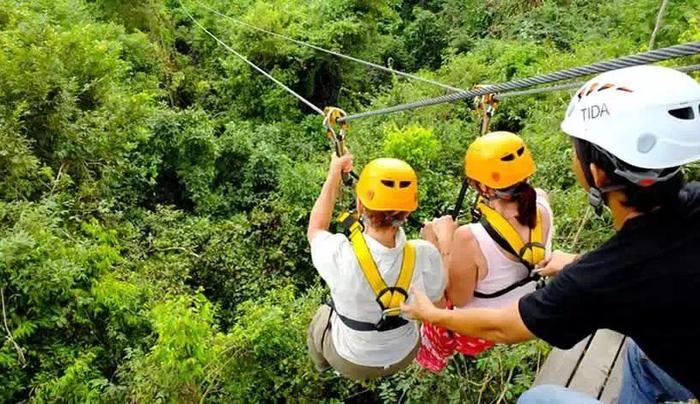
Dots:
pixel 653 56
pixel 330 52
pixel 251 64
pixel 632 60
pixel 570 86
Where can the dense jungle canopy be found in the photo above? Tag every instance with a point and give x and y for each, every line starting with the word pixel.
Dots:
pixel 154 190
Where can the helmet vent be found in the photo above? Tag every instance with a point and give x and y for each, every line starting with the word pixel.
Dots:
pixel 508 157
pixel 597 87
pixel 404 184
pixel 389 183
pixel 593 87
pixel 686 113
pixel 521 151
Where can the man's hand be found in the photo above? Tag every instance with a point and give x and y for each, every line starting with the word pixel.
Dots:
pixel 340 165
pixel 419 306
pixel 555 263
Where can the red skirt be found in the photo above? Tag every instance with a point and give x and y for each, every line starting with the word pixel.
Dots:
pixel 438 345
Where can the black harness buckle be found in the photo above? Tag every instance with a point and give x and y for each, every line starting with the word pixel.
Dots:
pixel 392 290
pixel 390 322
pixel 391 318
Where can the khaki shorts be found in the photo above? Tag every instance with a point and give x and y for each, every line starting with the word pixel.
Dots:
pixel 324 355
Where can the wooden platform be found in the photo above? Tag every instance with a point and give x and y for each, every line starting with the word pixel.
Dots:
pixel 593 366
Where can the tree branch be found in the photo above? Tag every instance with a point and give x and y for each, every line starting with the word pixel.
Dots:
pixel 18 349
pixel 659 20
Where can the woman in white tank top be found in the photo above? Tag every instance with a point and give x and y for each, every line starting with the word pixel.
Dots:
pixel 498 166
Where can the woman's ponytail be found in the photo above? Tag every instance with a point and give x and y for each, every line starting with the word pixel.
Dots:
pixel 526 197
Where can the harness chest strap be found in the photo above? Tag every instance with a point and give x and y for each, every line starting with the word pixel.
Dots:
pixel 505 235
pixel 531 252
pixel 388 298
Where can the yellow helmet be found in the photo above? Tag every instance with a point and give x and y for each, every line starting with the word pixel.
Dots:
pixel 388 184
pixel 498 160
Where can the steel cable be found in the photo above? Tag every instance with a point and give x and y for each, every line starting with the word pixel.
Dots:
pixel 657 55
pixel 570 86
pixel 251 64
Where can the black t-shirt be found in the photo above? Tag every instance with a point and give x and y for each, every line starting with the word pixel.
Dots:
pixel 644 282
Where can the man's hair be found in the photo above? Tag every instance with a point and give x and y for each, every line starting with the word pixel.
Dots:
pixel 642 199
pixel 384 219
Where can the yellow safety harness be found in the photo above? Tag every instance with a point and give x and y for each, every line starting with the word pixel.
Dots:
pixel 507 237
pixel 389 298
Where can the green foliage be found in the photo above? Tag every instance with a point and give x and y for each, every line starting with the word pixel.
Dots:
pixel 416 145
pixel 502 373
pixel 154 190
pixel 176 365
pixel 266 358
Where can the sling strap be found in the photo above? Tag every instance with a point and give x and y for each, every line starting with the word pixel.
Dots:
pixel 507 237
pixel 389 298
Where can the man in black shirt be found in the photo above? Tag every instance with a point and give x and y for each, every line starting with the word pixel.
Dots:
pixel 632 129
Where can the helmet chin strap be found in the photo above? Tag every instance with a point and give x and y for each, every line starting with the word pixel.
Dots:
pixel 642 178
pixel 504 194
pixel 596 196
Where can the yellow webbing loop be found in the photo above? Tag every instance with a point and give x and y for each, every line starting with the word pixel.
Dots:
pixel 390 300
pixel 532 251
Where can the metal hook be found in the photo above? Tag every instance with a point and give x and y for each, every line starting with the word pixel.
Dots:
pixel 330 121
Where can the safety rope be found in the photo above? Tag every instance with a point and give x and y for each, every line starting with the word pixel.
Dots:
pixel 251 64
pixel 331 52
pixel 484 106
pixel 653 56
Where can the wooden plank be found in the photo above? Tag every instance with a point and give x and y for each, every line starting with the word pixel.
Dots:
pixel 595 366
pixel 560 365
pixel 614 382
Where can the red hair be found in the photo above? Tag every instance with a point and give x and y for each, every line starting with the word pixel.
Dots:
pixel 384 219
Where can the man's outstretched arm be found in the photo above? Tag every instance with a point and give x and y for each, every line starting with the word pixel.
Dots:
pixel 503 325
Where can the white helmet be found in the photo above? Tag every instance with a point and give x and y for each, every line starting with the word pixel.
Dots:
pixel 646 116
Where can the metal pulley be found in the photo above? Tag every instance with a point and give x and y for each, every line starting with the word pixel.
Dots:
pixel 485 106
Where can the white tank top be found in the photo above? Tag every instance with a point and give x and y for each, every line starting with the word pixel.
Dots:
pixel 502 270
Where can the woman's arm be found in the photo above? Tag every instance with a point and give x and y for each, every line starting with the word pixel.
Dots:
pixel 322 212
pixel 462 268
